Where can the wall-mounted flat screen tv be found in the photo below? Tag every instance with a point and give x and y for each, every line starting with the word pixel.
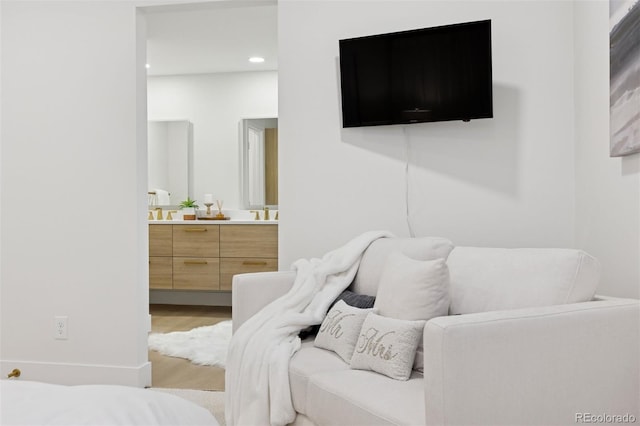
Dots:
pixel 431 74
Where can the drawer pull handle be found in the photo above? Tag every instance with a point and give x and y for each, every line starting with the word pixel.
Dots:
pixel 195 230
pixel 254 263
pixel 195 262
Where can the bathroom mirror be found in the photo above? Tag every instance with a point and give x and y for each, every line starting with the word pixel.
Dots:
pixel 259 162
pixel 169 156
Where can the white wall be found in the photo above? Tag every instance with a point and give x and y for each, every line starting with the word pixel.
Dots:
pixel 507 181
pixel 74 140
pixel 215 104
pixel 538 174
pixel 608 189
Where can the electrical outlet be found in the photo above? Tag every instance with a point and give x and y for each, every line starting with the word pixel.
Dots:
pixel 61 327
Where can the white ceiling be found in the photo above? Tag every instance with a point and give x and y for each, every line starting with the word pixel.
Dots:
pixel 211 37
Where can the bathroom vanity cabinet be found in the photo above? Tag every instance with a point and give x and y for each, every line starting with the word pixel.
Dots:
pixel 205 257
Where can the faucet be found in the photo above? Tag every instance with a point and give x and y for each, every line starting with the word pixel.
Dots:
pixel 159 214
pixel 266 213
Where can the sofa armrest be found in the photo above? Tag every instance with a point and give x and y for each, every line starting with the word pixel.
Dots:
pixel 534 366
pixel 252 292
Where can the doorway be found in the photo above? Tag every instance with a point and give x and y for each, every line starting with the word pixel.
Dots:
pixel 188 46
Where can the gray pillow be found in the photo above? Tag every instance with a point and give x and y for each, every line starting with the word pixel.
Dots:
pixel 361 301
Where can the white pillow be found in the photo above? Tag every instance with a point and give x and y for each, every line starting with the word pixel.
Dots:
pixel 413 290
pixel 340 329
pixel 387 346
pixel 367 279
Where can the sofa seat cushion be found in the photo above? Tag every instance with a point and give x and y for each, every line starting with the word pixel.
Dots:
pixel 491 279
pixel 356 397
pixel 309 361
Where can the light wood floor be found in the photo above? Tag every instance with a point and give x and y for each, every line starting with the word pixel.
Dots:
pixel 178 373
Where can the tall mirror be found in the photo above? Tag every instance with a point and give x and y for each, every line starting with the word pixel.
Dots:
pixel 169 160
pixel 259 162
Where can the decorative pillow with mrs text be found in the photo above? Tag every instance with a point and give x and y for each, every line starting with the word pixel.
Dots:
pixel 340 329
pixel 387 346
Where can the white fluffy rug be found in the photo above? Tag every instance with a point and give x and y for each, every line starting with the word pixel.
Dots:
pixel 205 345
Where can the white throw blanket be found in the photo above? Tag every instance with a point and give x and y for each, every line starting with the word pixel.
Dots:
pixel 257 375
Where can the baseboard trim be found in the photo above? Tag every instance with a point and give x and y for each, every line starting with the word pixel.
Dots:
pixel 79 374
pixel 200 298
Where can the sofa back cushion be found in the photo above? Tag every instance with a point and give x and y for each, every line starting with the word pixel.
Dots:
pixel 374 258
pixel 489 279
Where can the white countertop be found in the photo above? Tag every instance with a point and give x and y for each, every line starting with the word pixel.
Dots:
pixel 213 222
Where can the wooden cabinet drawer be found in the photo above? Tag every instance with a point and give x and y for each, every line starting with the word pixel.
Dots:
pixel 232 266
pixel 195 257
pixel 249 241
pixel 196 240
pixel 196 273
pixel 160 240
pixel 160 272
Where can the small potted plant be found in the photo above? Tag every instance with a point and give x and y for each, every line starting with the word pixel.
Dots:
pixel 188 208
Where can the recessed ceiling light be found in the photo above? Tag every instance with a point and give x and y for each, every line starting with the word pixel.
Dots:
pixel 256 59
pixel 147 66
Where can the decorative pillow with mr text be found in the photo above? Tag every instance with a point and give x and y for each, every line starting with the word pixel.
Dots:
pixel 387 346
pixel 361 301
pixel 340 329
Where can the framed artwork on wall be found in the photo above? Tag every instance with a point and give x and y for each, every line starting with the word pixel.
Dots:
pixel 624 83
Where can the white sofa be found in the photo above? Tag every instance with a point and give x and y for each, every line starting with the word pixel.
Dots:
pixel 526 342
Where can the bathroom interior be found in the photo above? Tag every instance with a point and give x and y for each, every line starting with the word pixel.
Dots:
pixel 212 138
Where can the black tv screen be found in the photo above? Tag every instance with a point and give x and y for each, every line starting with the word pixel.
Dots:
pixel 430 74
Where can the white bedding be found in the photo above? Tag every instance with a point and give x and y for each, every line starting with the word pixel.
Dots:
pixel 34 403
